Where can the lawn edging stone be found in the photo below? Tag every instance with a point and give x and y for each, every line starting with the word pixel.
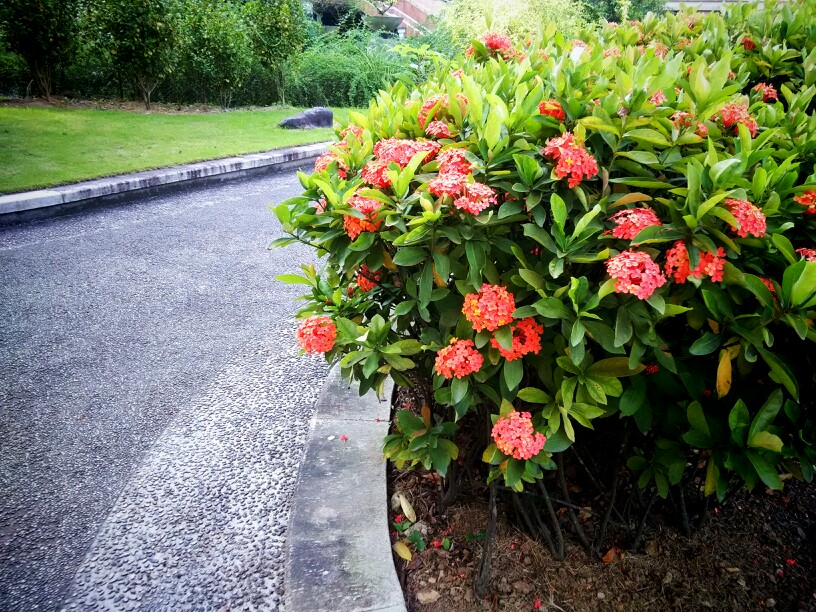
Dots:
pixel 279 159
pixel 338 547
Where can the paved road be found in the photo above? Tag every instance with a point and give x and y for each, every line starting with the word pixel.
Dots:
pixel 152 406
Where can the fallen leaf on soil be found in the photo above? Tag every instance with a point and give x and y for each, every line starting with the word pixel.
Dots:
pixel 407 508
pixel 402 550
pixel 427 597
pixel 652 548
pixel 611 555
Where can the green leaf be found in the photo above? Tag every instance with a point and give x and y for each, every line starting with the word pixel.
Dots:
pixel 513 372
pixel 559 210
pixel 766 470
pixel 410 256
pixel 408 422
pixel 534 395
pixel 632 399
pixel 492 455
pixel 515 468
pixel 614 367
pixel 293 279
pixel 504 336
pixel 459 389
pixel 696 418
pixel 766 440
pixel 706 344
pixel 766 414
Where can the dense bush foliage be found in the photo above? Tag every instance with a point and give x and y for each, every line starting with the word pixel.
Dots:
pixel 464 20
pixel 613 227
pixel 342 70
pixel 43 33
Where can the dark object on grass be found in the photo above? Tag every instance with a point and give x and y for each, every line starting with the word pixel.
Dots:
pixel 318 117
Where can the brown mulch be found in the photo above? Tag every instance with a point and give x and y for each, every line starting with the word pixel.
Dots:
pixel 757 551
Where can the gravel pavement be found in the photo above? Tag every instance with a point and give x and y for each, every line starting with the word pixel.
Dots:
pixel 152 407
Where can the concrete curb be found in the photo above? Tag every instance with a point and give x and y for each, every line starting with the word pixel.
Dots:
pixel 280 159
pixel 338 547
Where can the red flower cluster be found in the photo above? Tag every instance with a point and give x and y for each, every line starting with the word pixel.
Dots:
pixel 316 334
pixel 768 92
pixel 401 150
pixel 490 308
pixel 366 279
pixel 631 221
pixel 658 98
pixel 515 436
pixel 767 282
pixel 748 44
pixel 526 339
pixel 808 254
pixel 375 173
pixel 552 108
pixel 678 266
pixel 438 129
pixel 322 162
pixel 734 114
pixel 572 159
pixel 808 199
pixel 660 49
pixel 612 52
pixel 751 219
pixel 354 130
pixel 635 272
pixel 354 226
pixel 682 119
pixel 458 359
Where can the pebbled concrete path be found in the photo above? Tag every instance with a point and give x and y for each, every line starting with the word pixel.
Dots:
pixel 152 407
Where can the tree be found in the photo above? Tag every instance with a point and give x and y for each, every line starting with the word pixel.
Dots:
pixel 277 30
pixel 43 33
pixel 217 47
pixel 141 37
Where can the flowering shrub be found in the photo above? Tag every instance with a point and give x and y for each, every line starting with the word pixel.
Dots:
pixel 616 227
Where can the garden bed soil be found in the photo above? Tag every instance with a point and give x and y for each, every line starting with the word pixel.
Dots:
pixel 756 551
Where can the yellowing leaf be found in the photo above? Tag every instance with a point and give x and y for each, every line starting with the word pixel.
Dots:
pixel 715 327
pixel 426 415
pixel 724 374
pixel 388 262
pixel 711 477
pixel 407 508
pixel 402 550
pixel 438 279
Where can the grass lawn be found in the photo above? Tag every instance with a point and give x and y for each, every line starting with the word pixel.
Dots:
pixel 42 147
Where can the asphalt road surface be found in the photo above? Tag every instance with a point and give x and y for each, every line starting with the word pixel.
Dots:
pixel 153 408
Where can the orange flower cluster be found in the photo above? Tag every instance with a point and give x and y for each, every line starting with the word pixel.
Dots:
pixel 366 279
pixel 733 114
pixel 317 334
pixel 354 226
pixel 572 159
pixel 526 340
pixel 631 221
pixel 750 218
pixel 458 359
pixel 635 272
pixel 515 436
pixel 552 108
pixel 490 308
pixel 678 266
pixel 808 198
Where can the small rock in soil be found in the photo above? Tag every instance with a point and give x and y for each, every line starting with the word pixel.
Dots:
pixel 652 548
pixel 523 587
pixel 601 595
pixel 427 597
pixel 770 602
pixel 419 526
